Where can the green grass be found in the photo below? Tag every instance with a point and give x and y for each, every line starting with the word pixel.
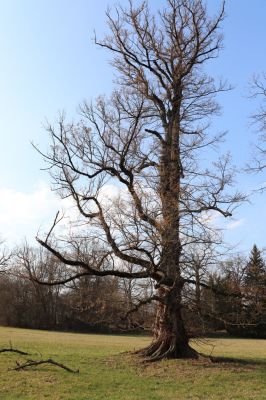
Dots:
pixel 106 373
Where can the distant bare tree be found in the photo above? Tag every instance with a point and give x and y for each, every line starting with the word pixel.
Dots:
pixel 5 257
pixel 197 262
pixel 145 143
pixel 31 264
pixel 258 118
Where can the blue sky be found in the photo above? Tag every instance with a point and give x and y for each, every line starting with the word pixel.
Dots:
pixel 49 62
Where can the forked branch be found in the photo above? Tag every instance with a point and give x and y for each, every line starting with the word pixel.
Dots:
pixel 32 363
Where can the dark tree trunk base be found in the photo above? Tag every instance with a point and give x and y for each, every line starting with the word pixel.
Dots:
pixel 167 349
pixel 170 338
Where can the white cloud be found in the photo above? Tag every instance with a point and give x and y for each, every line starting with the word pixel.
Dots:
pixel 22 213
pixel 212 218
pixel 235 224
pixel 111 192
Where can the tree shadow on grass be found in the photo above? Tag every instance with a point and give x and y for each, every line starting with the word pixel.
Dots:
pixel 236 362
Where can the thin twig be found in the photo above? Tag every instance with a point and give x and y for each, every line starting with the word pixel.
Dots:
pixel 56 221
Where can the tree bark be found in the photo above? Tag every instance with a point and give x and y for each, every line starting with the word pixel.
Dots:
pixel 170 338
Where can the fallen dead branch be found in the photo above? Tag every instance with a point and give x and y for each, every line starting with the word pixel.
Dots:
pixel 23 353
pixel 34 363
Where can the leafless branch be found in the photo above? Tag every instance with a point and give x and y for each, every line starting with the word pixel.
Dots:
pixel 35 363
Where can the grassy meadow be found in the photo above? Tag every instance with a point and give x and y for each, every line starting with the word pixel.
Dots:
pixel 108 373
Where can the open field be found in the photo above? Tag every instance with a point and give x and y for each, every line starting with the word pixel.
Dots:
pixel 105 373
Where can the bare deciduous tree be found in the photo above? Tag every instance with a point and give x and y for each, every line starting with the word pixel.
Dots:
pixel 5 257
pixel 145 144
pixel 258 118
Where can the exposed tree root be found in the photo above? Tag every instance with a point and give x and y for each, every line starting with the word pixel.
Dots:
pixel 33 363
pixel 167 349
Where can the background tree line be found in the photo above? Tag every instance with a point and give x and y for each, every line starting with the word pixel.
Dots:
pixel 238 301
pixel 236 304
pixel 87 304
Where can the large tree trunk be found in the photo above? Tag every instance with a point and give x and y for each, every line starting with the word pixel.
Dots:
pixel 170 338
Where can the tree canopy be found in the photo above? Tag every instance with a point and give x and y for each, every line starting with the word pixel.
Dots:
pixel 147 143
